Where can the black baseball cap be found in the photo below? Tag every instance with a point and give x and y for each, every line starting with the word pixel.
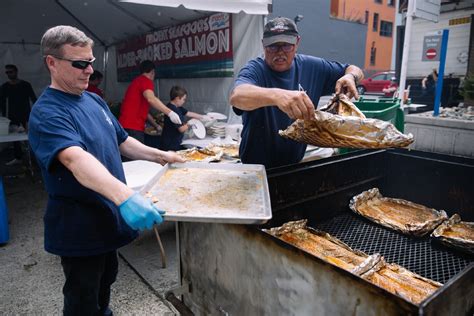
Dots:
pixel 280 30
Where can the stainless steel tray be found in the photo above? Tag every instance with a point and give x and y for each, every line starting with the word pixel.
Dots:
pixel 203 192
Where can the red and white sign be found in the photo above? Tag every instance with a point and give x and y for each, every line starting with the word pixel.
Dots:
pixel 431 53
pixel 431 46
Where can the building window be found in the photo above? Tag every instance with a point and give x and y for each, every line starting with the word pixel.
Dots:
pixel 366 19
pixel 391 3
pixel 375 24
pixel 386 28
pixel 373 53
pixel 378 1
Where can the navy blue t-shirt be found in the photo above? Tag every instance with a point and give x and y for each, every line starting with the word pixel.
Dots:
pixel 171 137
pixel 78 221
pixel 261 143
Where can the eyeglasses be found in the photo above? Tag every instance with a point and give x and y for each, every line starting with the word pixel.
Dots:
pixel 9 72
pixel 79 64
pixel 287 48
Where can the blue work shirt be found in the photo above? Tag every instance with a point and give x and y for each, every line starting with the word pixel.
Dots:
pixel 78 221
pixel 261 143
pixel 171 137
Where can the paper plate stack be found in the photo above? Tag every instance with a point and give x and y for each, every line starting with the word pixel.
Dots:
pixel 217 129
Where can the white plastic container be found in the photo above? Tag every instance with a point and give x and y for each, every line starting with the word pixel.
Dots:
pixel 4 125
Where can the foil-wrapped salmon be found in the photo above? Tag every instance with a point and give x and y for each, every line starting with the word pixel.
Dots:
pixel 198 154
pixel 319 244
pixel 228 150
pixel 456 234
pixel 374 269
pixel 341 124
pixel 401 282
pixel 401 215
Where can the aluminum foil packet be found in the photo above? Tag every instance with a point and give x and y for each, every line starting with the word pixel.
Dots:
pixel 456 233
pixel 340 124
pixel 397 214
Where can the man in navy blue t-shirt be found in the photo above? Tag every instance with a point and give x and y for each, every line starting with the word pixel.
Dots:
pixel 271 92
pixel 77 141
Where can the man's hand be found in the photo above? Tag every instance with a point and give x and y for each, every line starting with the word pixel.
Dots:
pixel 346 85
pixel 140 213
pixel 174 118
pixel 296 104
pixel 165 157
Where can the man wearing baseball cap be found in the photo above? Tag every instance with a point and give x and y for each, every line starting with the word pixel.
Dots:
pixel 271 92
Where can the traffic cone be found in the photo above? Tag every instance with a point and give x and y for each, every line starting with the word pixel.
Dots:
pixel 4 233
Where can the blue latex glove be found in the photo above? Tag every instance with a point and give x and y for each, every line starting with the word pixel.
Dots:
pixel 140 213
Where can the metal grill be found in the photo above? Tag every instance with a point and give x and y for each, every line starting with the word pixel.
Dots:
pixel 418 255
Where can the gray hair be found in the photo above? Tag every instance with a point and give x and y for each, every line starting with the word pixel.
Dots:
pixel 56 37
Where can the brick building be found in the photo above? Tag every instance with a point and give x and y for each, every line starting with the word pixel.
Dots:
pixel 379 16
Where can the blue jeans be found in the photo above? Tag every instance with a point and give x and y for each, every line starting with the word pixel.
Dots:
pixel 88 281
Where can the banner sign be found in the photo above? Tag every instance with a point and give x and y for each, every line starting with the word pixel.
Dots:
pixel 197 49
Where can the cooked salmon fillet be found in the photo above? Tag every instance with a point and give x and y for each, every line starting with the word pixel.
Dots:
pixel 336 131
pixel 319 244
pixel 374 269
pixel 456 233
pixel 401 282
pixel 401 215
pixel 195 154
pixel 341 124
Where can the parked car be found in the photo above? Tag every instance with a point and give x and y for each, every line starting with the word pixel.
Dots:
pixel 375 83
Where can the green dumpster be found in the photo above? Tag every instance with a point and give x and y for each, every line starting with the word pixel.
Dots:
pixel 385 109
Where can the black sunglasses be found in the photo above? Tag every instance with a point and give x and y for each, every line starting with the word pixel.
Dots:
pixel 79 64
pixel 287 48
pixel 9 72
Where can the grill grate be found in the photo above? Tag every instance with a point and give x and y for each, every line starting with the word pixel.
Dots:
pixel 415 254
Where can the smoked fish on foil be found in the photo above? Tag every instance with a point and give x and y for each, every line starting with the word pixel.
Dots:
pixel 340 124
pixel 397 214
pixel 456 233
pixel 374 269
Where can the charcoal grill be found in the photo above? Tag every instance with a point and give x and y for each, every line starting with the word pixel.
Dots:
pixel 240 270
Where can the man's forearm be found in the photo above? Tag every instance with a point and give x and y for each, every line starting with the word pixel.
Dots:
pixel 89 172
pixel 133 149
pixel 249 97
pixel 160 106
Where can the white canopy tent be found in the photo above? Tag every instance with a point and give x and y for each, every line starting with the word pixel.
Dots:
pixel 109 22
pixel 229 6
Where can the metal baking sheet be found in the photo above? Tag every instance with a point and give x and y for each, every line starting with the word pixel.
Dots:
pixel 203 192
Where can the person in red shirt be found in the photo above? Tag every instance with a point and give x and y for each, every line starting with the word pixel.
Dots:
pixel 136 103
pixel 390 89
pixel 94 81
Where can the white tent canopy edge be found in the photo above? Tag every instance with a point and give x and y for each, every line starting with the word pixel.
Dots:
pixel 229 6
